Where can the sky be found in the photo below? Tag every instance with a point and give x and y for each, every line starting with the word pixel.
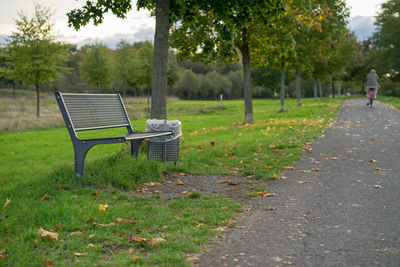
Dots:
pixel 138 26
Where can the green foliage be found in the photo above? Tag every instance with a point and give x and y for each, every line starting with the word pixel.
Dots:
pixel 97 67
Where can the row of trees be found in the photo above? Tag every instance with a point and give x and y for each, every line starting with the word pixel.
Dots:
pixel 307 37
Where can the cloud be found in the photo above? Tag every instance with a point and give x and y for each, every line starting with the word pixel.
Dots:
pixel 362 26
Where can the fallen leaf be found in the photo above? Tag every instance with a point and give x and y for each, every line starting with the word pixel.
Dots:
pixel 182 174
pixel 373 139
pixel 224 181
pixel 377 186
pixel 130 251
pixel 261 193
pixel 155 240
pixel 48 234
pixel 102 207
pixel 185 192
pixel 95 194
pixel 269 195
pixel 334 158
pixel 104 224
pixel 119 219
pixel 139 239
pixel 302 182
pixel 357 181
pixel 75 233
pixel 372 161
pixel 378 169
pixel 79 254
pixel 90 245
pixel 201 147
pixel 267 207
pixel 44 197
pixel 48 263
pixel 7 202
pixel 180 182
pixel 222 229
pixel 232 183
pixel 316 169
pixel 61 185
pixel 224 208
pixel 303 171
pixel 288 168
pixel 212 143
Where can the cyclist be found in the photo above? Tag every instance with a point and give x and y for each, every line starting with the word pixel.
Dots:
pixel 371 82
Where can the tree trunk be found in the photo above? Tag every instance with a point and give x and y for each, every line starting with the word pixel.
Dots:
pixel 320 89
pixel 282 87
pixel 37 100
pixel 315 90
pixel 160 66
pixel 333 89
pixel 13 84
pixel 298 87
pixel 248 96
pixel 326 90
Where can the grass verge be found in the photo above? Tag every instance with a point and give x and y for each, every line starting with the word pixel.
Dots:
pixel 393 101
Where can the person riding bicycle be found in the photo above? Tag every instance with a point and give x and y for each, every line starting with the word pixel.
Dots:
pixel 371 82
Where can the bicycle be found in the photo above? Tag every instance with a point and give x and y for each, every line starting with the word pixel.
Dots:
pixel 371 97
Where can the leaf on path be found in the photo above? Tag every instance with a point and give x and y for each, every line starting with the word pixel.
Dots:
pixel 303 171
pixel 333 158
pixel 373 161
pixel 357 181
pixel 316 169
pixel 378 169
pixel 48 263
pixel 377 186
pixel 288 168
pixel 263 194
pixel 102 207
pixel 268 207
pixel 8 200
pixel 48 234
pixel 373 139
pixel 182 174
pixel 302 182
pixel 222 229
pixel 180 182
pixel 185 192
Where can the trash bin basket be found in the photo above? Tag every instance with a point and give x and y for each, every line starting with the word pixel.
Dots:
pixel 165 148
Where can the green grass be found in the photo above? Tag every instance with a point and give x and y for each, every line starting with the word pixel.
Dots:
pixel 36 176
pixel 393 101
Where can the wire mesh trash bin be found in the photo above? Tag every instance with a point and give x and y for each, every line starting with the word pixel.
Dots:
pixel 165 148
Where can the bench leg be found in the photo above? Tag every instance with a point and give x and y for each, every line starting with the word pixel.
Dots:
pixel 135 145
pixel 80 155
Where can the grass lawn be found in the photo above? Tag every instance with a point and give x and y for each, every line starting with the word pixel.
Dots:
pixel 98 219
pixel 393 101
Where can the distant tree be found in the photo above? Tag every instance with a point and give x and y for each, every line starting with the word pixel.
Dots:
pixel 189 85
pixel 35 57
pixel 97 67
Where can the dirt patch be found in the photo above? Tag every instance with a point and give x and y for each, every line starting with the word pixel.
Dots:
pixel 177 185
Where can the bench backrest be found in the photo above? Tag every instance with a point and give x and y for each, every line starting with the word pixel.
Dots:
pixel 83 112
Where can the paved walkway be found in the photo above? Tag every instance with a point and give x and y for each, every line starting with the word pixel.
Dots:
pixel 346 214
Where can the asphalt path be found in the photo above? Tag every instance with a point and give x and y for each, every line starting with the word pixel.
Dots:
pixel 339 206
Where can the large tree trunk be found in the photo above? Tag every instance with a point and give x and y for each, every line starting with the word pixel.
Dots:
pixel 315 90
pixel 298 87
pixel 320 89
pixel 160 66
pixel 282 87
pixel 37 99
pixel 248 96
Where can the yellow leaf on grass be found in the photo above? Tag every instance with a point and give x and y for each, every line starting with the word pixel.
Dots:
pixel 119 219
pixel 102 207
pixel 48 234
pixel 155 240
pixel 7 202
pixel 44 197
pixel 222 229
pixel 79 254
pixel 61 185
pixel 90 245
pixel 180 182
pixel 139 239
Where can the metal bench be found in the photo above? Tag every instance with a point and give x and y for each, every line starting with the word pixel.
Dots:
pixel 83 112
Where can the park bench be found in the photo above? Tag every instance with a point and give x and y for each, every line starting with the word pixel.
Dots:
pixel 85 112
